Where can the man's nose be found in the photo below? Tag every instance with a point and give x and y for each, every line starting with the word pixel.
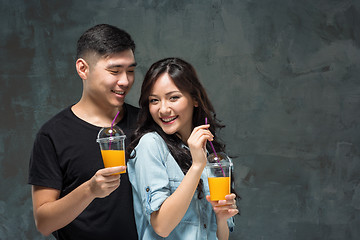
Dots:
pixel 123 79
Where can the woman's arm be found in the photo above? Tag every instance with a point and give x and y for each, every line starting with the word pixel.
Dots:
pixel 224 209
pixel 174 207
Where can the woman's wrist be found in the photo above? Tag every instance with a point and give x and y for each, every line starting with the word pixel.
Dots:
pixel 198 167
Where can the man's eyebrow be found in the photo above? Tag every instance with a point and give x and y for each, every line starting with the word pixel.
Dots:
pixel 121 66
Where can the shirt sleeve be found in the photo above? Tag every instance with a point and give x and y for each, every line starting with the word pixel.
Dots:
pixel 44 169
pixel 148 174
pixel 231 224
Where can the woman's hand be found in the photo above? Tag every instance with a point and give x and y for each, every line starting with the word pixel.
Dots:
pixel 197 144
pixel 224 209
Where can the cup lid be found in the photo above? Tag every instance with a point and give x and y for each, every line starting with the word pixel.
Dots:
pixel 108 132
pixel 219 159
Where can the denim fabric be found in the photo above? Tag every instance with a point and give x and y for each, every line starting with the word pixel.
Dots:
pixel 155 175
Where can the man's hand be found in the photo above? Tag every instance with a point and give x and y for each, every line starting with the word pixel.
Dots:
pixel 105 181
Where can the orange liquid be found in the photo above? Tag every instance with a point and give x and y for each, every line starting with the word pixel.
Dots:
pixel 113 158
pixel 219 187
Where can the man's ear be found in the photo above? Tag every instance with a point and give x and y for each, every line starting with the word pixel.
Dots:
pixel 82 68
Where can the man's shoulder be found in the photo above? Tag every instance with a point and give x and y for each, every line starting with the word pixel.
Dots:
pixel 54 120
pixel 131 118
pixel 132 110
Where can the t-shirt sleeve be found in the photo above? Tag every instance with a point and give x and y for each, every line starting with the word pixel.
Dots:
pixel 148 175
pixel 44 169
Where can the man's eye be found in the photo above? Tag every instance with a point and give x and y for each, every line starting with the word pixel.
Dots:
pixel 114 72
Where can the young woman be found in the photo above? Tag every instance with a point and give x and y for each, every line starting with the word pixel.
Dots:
pixel 168 155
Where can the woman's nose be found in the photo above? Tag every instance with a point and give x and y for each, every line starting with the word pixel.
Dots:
pixel 164 108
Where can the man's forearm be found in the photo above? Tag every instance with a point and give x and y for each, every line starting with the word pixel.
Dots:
pixel 53 215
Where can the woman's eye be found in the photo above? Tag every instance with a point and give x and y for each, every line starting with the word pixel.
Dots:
pixel 174 98
pixel 153 101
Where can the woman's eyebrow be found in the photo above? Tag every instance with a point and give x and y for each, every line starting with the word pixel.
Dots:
pixel 169 93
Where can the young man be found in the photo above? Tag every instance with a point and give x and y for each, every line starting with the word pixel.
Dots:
pixel 74 196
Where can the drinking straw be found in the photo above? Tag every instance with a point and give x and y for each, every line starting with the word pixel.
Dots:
pixel 212 146
pixel 112 124
pixel 217 159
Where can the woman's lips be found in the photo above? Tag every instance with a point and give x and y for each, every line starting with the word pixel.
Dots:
pixel 169 120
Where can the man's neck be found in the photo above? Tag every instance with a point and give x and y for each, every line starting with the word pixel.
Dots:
pixel 98 116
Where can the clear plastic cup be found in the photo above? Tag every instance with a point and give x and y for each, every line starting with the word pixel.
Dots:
pixel 218 169
pixel 112 146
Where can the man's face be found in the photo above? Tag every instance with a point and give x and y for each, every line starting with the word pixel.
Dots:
pixel 110 79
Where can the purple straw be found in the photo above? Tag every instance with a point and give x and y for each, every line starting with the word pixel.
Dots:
pixel 112 124
pixel 212 146
pixel 217 159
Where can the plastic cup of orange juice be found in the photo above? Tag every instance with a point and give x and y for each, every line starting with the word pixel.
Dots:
pixel 112 146
pixel 218 169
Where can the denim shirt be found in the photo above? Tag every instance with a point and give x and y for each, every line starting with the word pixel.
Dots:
pixel 155 175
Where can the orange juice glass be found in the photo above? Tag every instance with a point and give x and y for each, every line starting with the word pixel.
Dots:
pixel 112 146
pixel 218 170
pixel 113 158
pixel 219 187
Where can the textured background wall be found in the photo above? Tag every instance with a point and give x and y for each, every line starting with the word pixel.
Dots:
pixel 283 76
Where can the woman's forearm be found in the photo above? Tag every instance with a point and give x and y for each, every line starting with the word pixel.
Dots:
pixel 174 207
pixel 222 230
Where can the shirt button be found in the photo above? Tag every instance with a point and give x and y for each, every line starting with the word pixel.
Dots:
pixel 147 189
pixel 204 225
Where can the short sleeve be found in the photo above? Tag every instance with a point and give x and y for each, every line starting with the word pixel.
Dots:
pixel 44 169
pixel 231 224
pixel 148 174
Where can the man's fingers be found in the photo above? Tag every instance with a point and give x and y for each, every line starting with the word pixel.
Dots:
pixel 111 170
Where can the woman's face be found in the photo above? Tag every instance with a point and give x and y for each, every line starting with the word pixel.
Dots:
pixel 171 108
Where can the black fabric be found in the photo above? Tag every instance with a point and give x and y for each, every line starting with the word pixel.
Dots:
pixel 65 155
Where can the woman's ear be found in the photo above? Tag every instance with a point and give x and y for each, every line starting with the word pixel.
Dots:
pixel 196 104
pixel 82 68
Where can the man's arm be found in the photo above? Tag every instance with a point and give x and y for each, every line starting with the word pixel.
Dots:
pixel 52 213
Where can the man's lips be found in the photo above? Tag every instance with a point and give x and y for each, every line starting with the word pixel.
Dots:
pixel 118 92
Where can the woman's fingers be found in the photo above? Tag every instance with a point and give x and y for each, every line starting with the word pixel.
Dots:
pixel 199 136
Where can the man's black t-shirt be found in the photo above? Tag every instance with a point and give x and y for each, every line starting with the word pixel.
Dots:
pixel 65 155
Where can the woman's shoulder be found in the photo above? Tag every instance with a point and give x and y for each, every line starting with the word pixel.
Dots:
pixel 151 144
pixel 151 139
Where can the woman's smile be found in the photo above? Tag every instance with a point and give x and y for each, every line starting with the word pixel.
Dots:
pixel 169 120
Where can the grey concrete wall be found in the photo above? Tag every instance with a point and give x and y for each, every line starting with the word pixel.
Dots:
pixel 283 76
